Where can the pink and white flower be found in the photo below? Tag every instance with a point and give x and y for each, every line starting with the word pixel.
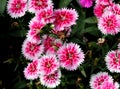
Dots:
pixel 70 56
pixel 116 8
pixel 17 8
pixel 112 60
pixel 98 79
pixel 99 10
pixel 65 18
pixel 48 64
pixel 36 26
pixel 109 23
pixel 52 80
pixel 51 44
pixel 104 2
pixel 46 15
pixel 37 5
pixel 31 71
pixel 33 38
pixel 110 85
pixel 31 50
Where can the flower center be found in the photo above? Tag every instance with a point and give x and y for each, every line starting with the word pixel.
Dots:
pixel 32 47
pixel 18 6
pixel 39 3
pixel 63 18
pixel 32 67
pixel 48 65
pixel 109 23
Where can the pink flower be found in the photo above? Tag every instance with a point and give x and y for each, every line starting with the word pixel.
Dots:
pixel 51 44
pixel 112 60
pixel 104 2
pixel 48 64
pixel 65 18
pixel 98 79
pixel 31 71
pixel 46 15
pixel 37 5
pixel 17 8
pixel 31 50
pixel 70 56
pixel 116 9
pixel 110 85
pixel 99 10
pixel 86 3
pixel 47 41
pixel 36 25
pixel 52 80
pixel 33 38
pixel 109 23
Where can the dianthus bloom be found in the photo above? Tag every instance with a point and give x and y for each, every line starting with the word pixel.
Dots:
pixel 98 79
pixel 37 5
pixel 112 60
pixel 33 38
pixel 36 25
pixel 86 3
pixel 70 56
pixel 65 18
pixel 104 2
pixel 52 80
pixel 31 71
pixel 48 64
pixel 17 8
pixel 31 50
pixel 51 44
pixel 46 15
pixel 99 10
pixel 116 8
pixel 110 85
pixel 109 23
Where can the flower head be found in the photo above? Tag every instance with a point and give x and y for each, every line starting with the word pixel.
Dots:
pixel 86 3
pixel 109 23
pixel 70 56
pixel 110 85
pixel 51 44
pixel 37 5
pixel 48 64
pixel 104 2
pixel 36 25
pixel 65 18
pixel 116 8
pixel 17 8
pixel 46 15
pixel 52 80
pixel 33 37
pixel 98 79
pixel 31 50
pixel 99 10
pixel 31 71
pixel 112 60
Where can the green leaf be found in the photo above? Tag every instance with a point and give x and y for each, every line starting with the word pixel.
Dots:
pixel 2 6
pixel 64 3
pixel 91 20
pixel 93 31
pixel 20 85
